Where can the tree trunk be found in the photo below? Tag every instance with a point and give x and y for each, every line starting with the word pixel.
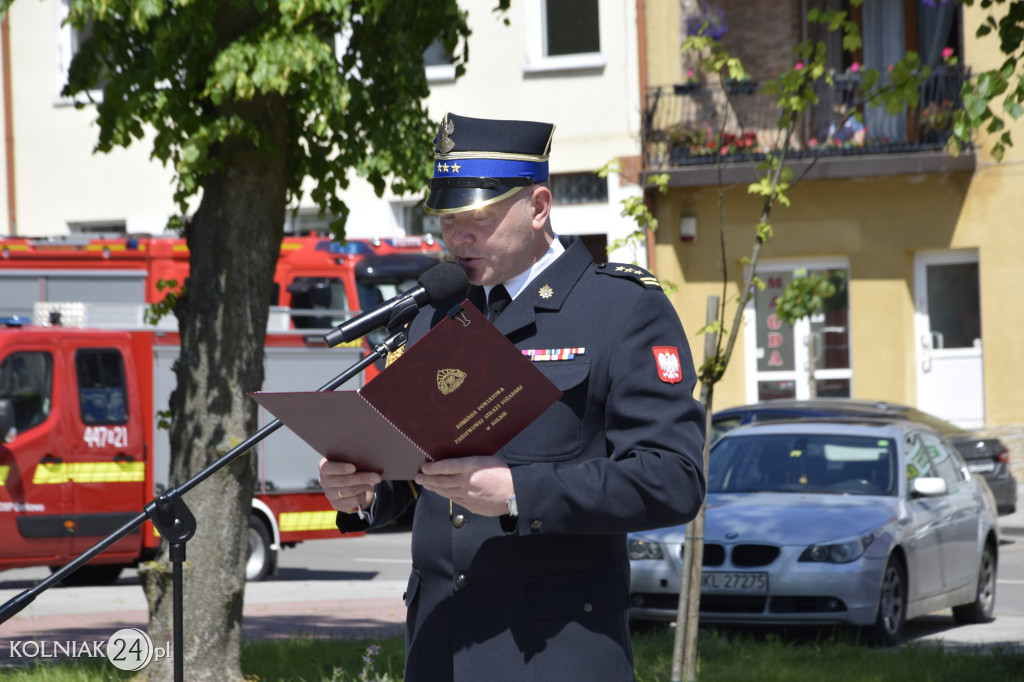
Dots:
pixel 684 648
pixel 812 384
pixel 234 240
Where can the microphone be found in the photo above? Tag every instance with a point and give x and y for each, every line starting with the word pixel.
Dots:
pixel 443 286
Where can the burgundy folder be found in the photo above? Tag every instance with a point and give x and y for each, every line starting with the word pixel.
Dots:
pixel 461 390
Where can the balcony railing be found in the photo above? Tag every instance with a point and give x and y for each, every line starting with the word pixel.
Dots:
pixel 696 124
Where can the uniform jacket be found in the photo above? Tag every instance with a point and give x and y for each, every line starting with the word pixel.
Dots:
pixel 546 596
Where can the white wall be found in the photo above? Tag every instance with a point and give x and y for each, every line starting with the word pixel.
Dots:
pixel 61 182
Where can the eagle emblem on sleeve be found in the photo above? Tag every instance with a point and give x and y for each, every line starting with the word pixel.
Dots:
pixel 669 368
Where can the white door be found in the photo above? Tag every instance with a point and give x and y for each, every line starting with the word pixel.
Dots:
pixel 780 359
pixel 947 325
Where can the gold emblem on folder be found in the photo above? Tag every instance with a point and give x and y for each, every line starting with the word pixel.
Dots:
pixel 449 379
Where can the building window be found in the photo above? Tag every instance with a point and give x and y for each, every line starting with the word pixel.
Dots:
pixel 571 27
pixel 579 188
pixel 562 35
pixel 437 62
pixel 810 358
pixel 116 228
pixel 69 42
pixel 307 223
pixel 414 221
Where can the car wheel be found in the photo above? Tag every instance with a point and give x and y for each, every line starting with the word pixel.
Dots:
pixel 980 610
pixel 261 556
pixel 892 606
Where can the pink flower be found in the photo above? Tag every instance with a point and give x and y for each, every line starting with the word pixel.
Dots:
pixel 799 66
pixel 855 67
pixel 947 52
pixel 812 143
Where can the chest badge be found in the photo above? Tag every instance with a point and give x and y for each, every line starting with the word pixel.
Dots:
pixel 667 360
pixel 552 354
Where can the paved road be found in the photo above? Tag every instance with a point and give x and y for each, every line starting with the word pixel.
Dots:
pixel 353 587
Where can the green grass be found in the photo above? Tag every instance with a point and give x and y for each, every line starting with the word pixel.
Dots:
pixel 722 657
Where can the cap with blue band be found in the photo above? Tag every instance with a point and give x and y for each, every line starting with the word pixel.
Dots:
pixel 478 162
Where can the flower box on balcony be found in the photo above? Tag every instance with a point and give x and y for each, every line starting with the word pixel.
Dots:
pixel 740 87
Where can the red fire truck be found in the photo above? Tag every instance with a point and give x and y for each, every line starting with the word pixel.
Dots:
pixel 82 386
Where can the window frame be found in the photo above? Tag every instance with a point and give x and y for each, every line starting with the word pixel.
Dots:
pixel 566 185
pixel 65 53
pixel 799 373
pixel 536 58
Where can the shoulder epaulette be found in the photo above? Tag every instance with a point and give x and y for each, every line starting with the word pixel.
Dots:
pixel 630 272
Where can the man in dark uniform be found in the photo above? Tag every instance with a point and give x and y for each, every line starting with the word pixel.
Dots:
pixel 520 569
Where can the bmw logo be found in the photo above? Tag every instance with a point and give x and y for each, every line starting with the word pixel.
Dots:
pixel 731 535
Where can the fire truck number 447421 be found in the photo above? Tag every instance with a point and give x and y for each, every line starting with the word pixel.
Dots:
pixel 82 386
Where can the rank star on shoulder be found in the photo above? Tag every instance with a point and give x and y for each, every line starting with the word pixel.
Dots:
pixel 623 268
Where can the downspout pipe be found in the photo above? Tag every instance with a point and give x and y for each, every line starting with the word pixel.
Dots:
pixel 5 55
pixel 641 46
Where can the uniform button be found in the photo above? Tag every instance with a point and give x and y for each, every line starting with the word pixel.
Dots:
pixel 459 520
pixel 462 580
pixel 536 524
pixel 588 607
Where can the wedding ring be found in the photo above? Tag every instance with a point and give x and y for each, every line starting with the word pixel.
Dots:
pixel 340 495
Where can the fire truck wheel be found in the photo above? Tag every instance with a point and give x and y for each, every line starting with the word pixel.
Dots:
pixel 103 574
pixel 261 557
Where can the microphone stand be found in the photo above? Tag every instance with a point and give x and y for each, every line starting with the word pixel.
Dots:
pixel 175 521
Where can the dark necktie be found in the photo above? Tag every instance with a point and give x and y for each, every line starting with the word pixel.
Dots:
pixel 497 300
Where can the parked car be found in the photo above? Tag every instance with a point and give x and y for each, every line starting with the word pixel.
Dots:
pixel 862 523
pixel 986 456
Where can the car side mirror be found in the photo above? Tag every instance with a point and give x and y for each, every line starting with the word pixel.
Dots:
pixel 7 430
pixel 928 487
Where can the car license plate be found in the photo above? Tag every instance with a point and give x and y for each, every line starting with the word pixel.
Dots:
pixel 752 583
pixel 982 467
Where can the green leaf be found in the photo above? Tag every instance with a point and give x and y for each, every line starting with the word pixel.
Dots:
pixel 711 328
pixel 190 153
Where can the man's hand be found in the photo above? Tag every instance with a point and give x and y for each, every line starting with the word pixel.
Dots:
pixel 480 484
pixel 346 489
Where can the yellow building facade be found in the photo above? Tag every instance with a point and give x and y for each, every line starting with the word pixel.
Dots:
pixel 925 246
